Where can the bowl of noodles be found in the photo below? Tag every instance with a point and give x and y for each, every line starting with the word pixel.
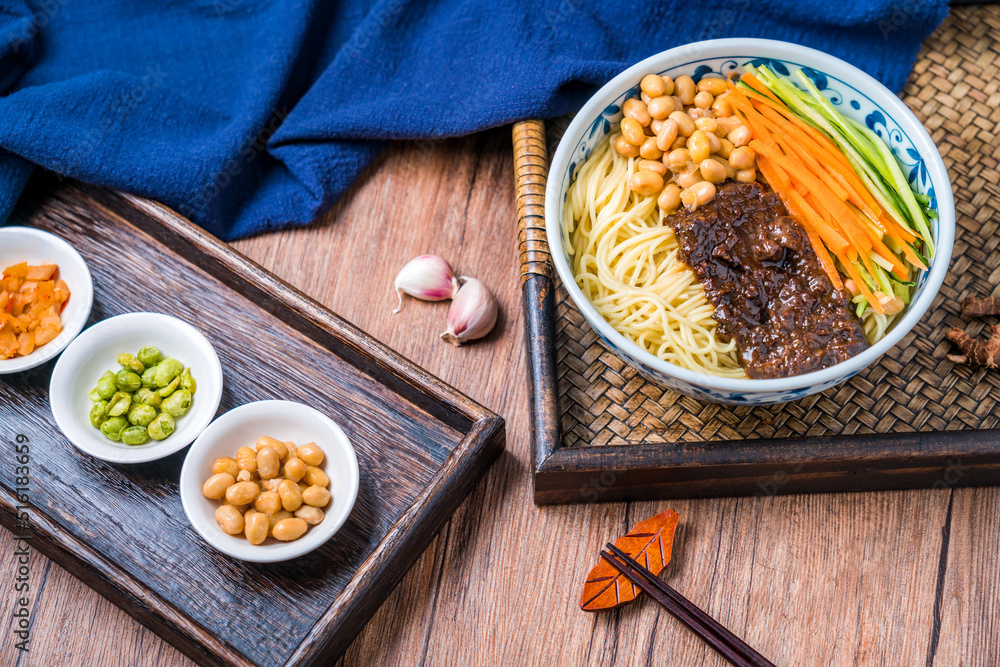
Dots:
pixel 748 221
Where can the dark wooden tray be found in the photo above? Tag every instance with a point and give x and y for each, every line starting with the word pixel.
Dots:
pixel 421 447
pixel 602 432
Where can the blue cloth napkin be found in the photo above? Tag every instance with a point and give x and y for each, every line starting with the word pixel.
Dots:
pixel 252 115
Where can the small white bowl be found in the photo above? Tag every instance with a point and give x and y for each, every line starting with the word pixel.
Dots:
pixel 858 96
pixel 24 244
pixel 96 350
pixel 286 421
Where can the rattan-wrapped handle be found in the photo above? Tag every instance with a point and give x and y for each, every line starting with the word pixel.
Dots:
pixel 531 168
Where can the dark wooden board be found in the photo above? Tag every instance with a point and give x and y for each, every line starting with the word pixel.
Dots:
pixel 705 466
pixel 421 447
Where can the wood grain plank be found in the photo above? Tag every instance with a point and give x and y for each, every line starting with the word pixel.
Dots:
pixel 852 573
pixel 969 623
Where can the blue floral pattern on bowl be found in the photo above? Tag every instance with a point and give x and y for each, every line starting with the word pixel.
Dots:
pixel 853 102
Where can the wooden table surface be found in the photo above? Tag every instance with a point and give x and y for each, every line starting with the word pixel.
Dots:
pixel 898 578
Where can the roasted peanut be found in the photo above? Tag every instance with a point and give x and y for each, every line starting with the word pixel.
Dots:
pixel 316 496
pixel 268 502
pixel 678 158
pixel 685 126
pixel 294 469
pixel 277 445
pixel 229 519
pixel 623 148
pixel 698 146
pixel 669 201
pixel 653 85
pixel 741 136
pixel 268 463
pixel 713 86
pixel 641 182
pixel 246 459
pixel 685 89
pixel 668 132
pixel 649 150
pixel 722 108
pixel 712 171
pixel 291 495
pixel 697 195
pixel 742 158
pixel 216 485
pixel 242 493
pixel 311 515
pixel 287 530
pixel 645 165
pixel 255 527
pixel 225 464
pixel 703 100
pixel 661 107
pixel 245 476
pixel 316 477
pixel 632 131
pixel 636 110
pixel 280 515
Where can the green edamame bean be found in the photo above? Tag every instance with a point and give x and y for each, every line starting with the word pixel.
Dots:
pixel 170 388
pixel 148 378
pixel 177 404
pixel 119 404
pixel 99 413
pixel 134 435
pixel 127 380
pixel 106 386
pixel 161 427
pixel 95 395
pixel 146 396
pixel 128 360
pixel 187 381
pixel 141 415
pixel 167 370
pixel 112 428
pixel 149 356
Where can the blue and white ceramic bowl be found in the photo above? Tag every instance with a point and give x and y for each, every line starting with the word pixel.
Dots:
pixel 857 95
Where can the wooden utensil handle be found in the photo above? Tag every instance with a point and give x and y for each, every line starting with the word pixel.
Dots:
pixel 531 168
pixel 531 165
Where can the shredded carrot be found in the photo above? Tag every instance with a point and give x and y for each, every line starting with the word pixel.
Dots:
pixel 819 186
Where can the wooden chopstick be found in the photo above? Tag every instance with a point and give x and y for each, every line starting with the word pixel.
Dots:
pixel 711 631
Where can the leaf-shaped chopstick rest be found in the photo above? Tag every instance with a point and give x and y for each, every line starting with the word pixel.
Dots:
pixel 650 543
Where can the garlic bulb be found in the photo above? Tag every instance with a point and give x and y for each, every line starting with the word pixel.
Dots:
pixel 472 313
pixel 428 278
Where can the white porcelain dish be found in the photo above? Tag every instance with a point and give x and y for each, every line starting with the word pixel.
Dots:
pixel 96 350
pixel 24 244
pixel 857 95
pixel 286 421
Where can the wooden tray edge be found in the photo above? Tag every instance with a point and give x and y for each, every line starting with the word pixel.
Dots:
pixel 483 442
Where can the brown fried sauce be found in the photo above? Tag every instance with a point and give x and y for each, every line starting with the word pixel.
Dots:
pixel 768 287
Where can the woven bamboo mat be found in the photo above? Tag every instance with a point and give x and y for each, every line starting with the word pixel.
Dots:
pixel 955 91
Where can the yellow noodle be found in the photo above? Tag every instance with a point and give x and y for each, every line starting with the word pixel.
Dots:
pixel 626 264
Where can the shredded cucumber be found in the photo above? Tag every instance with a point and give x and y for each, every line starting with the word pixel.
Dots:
pixel 870 157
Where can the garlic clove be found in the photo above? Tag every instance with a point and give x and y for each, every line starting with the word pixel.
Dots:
pixel 472 314
pixel 428 278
